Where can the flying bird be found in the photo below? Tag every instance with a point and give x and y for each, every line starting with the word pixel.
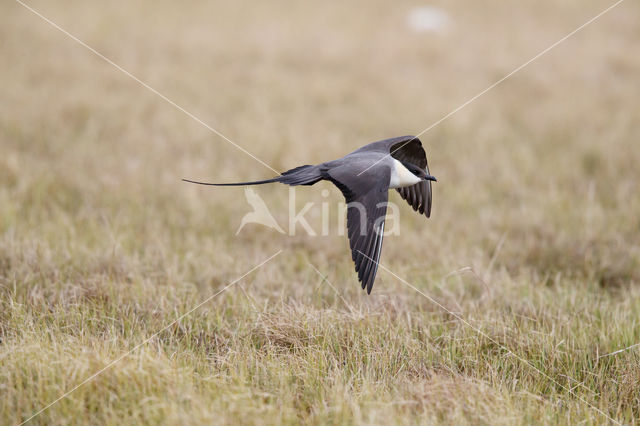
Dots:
pixel 364 177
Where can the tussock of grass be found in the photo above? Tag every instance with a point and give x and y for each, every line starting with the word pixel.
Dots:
pixel 533 239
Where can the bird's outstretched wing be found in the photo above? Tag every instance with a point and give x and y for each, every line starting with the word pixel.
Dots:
pixel 365 228
pixel 367 198
pixel 409 149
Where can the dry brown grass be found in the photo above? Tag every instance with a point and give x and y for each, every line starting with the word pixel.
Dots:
pixel 101 245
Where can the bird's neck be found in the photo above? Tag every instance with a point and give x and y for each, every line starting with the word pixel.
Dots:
pixel 401 176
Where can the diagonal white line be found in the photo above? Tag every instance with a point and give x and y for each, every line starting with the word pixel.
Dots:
pixel 325 279
pixel 590 21
pixel 485 335
pixel 121 357
pixel 619 351
pixel 142 83
pixel 483 92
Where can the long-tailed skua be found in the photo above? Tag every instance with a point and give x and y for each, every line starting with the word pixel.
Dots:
pixel 365 177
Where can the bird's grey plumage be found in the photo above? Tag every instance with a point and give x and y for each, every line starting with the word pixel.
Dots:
pixel 366 197
pixel 364 177
pixel 407 149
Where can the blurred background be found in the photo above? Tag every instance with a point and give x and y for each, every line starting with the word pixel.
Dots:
pixel 537 180
pixel 547 160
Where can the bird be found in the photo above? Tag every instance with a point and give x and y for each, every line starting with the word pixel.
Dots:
pixel 365 177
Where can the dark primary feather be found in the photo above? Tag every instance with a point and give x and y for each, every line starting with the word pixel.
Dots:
pixel 365 236
pixel 365 233
pixel 409 149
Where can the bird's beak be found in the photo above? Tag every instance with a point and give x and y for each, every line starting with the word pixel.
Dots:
pixel 429 177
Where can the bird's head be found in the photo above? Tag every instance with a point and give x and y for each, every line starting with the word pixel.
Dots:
pixel 419 172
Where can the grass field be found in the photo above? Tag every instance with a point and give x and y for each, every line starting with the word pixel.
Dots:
pixel 533 247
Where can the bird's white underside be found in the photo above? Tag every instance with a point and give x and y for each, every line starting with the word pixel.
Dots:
pixel 401 176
